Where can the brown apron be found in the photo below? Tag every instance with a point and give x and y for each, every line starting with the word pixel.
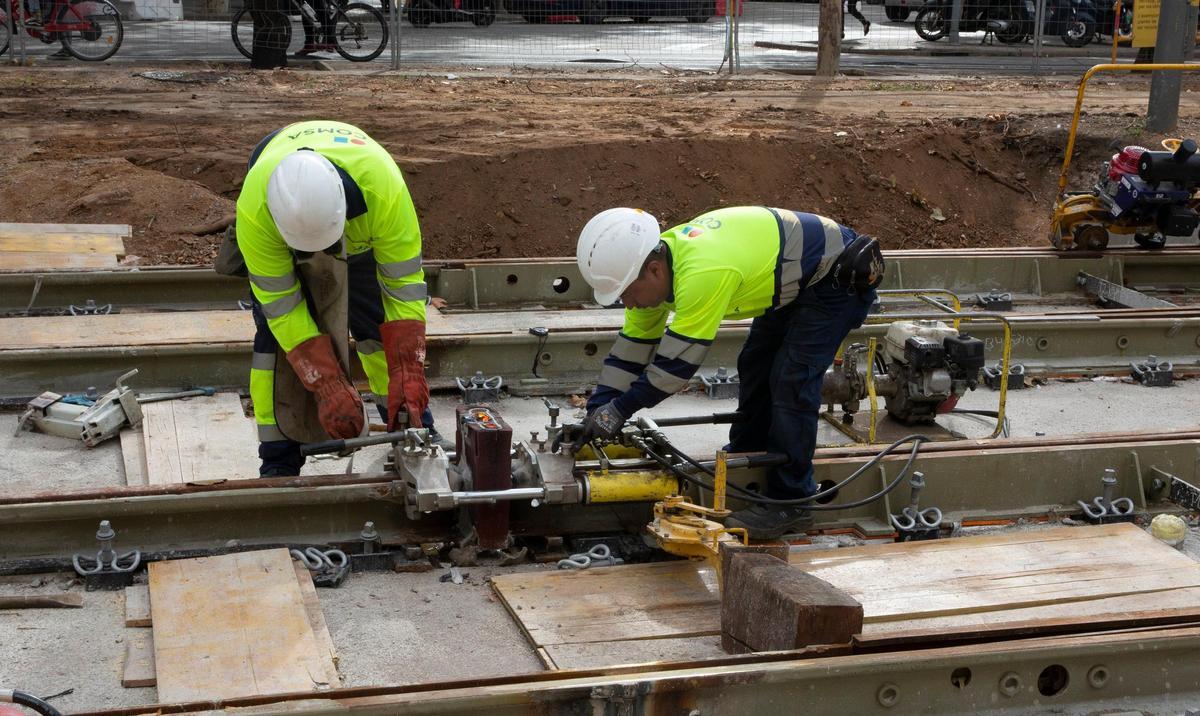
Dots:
pixel 326 279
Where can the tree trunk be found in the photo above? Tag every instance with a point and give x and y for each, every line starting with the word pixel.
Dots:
pixel 829 38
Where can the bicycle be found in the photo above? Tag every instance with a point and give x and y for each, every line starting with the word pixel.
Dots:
pixel 89 30
pixel 360 32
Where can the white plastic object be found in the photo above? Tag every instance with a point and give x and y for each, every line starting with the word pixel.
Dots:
pixel 307 201
pixel 612 247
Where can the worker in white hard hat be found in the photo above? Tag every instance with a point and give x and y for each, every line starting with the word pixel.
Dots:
pixel 331 245
pixel 806 280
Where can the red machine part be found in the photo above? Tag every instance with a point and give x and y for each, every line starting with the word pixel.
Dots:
pixel 484 443
pixel 1125 162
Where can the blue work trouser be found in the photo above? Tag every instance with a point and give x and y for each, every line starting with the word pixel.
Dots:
pixel 780 370
pixel 281 456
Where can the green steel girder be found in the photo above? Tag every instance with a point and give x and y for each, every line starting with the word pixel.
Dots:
pixel 506 283
pixel 1003 479
pixel 1133 672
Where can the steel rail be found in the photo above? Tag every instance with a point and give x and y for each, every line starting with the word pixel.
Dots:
pixel 556 281
pixel 1078 674
pixel 999 479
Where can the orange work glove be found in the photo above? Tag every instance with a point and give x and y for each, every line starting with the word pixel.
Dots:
pixel 404 346
pixel 339 407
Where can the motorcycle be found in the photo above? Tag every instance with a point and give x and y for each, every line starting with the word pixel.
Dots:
pixel 1004 19
pixel 423 12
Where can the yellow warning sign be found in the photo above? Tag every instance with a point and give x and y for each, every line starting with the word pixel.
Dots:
pixel 1145 21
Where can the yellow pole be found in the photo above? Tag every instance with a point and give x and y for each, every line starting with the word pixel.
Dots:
pixel 719 482
pixel 871 389
pixel 1116 29
pixel 1062 177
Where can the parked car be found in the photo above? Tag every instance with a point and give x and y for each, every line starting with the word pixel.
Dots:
pixel 595 11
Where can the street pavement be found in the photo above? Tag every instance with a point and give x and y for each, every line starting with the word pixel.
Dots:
pixel 661 44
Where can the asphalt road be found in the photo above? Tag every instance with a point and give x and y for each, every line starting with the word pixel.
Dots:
pixel 618 42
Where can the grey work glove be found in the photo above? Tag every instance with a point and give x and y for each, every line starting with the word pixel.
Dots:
pixel 604 422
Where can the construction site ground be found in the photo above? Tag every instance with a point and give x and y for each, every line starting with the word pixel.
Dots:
pixel 407 628
pixel 503 166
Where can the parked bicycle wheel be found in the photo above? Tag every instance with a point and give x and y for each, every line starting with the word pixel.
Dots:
pixel 242 29
pixel 360 32
pixel 99 32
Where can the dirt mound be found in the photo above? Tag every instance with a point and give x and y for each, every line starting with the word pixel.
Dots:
pixel 914 188
pixel 160 208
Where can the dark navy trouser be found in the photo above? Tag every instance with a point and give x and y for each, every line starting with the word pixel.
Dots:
pixel 780 370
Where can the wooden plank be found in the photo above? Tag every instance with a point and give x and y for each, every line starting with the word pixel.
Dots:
pixel 17 229
pixel 316 618
pixel 936 589
pixel 48 261
pixel 232 626
pixel 41 601
pixel 202 439
pixel 137 606
pixel 63 243
pixel 133 454
pixel 602 654
pixel 126 330
pixel 139 671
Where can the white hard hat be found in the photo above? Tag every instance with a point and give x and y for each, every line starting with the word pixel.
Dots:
pixel 612 248
pixel 307 201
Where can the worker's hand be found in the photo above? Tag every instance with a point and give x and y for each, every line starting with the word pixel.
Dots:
pixel 339 408
pixel 408 392
pixel 604 422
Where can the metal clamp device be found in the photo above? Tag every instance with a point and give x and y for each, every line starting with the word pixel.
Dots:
pixel 108 570
pixel 1153 373
pixel 913 523
pixel 1105 509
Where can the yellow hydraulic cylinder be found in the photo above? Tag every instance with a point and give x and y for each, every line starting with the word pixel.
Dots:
pixel 632 486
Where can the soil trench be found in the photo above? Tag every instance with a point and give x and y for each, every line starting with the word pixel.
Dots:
pixel 506 168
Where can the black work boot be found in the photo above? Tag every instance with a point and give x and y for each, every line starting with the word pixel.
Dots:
pixel 770 521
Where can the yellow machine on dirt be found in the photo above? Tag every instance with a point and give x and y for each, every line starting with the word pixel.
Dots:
pixel 1149 195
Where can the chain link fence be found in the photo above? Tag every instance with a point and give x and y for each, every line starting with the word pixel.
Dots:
pixel 681 34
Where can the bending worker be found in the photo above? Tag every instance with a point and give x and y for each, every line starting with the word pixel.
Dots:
pixel 331 244
pixel 807 282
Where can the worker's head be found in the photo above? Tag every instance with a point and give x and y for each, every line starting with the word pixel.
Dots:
pixel 612 253
pixel 307 201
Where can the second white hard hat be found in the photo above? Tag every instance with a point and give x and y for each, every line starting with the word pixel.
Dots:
pixel 612 247
pixel 307 201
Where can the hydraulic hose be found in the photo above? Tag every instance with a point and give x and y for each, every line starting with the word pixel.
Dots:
pixel 753 497
pixel 8 696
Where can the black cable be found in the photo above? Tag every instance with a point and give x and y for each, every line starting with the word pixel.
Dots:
pixel 756 498
pixel 29 700
pixel 829 490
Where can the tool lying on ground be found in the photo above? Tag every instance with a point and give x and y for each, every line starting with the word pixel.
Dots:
pixel 93 418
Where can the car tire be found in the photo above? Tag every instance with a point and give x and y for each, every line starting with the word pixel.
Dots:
pixel 895 13
pixel 593 12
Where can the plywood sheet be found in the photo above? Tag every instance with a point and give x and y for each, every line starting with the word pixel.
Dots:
pixel 62 243
pixel 1000 583
pixel 519 322
pixel 234 625
pixel 199 439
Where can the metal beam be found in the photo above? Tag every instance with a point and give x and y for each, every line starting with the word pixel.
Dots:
pixel 1082 674
pixel 1112 294
pixel 511 283
pixel 1001 479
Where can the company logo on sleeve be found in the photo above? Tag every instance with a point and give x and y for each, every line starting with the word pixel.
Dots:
pixel 347 140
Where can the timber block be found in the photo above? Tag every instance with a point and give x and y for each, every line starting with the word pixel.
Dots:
pixel 768 605
pixel 728 550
